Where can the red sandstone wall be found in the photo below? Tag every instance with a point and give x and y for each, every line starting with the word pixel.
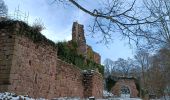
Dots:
pixel 37 72
pixel 93 83
pixel 6 54
pixel 33 69
pixel 69 80
pixel 97 85
pixel 97 58
pixel 125 82
pixel 83 48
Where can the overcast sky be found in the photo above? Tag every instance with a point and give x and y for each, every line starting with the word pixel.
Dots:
pixel 58 21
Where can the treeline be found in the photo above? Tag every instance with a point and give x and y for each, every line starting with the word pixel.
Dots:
pixel 152 70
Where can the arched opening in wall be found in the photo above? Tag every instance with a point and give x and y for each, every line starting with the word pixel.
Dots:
pixel 125 91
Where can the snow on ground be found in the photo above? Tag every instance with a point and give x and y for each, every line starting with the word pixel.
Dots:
pixel 12 96
pixel 124 99
pixel 107 94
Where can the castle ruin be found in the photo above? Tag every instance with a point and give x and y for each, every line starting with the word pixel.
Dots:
pixel 83 48
pixel 29 65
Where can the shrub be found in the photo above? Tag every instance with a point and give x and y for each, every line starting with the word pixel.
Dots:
pixel 68 53
pixel 38 25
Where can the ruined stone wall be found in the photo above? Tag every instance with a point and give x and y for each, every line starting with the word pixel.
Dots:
pixel 79 38
pixel 93 83
pixel 97 58
pixel 97 86
pixel 130 83
pixel 83 48
pixel 6 55
pixel 78 33
pixel 90 54
pixel 36 71
pixel 69 80
pixel 32 68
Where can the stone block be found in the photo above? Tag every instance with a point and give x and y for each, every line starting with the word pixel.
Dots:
pixel 3 88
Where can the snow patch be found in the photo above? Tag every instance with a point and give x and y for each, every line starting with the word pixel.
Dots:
pixel 107 94
pixel 13 96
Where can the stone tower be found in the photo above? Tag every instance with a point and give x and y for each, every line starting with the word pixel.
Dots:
pixel 79 38
pixel 78 33
pixel 82 48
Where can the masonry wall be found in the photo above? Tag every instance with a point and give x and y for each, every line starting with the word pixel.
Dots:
pixel 69 80
pixel 97 58
pixel 93 83
pixel 97 85
pixel 83 48
pixel 79 38
pixel 6 54
pixel 33 69
pixel 38 72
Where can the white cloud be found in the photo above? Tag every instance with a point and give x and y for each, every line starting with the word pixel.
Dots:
pixel 59 35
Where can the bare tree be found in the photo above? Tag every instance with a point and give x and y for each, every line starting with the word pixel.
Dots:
pixel 124 66
pixel 143 58
pixel 121 67
pixel 158 32
pixel 116 16
pixel 108 64
pixel 3 9
pixel 158 73
pixel 154 71
pixel 134 68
